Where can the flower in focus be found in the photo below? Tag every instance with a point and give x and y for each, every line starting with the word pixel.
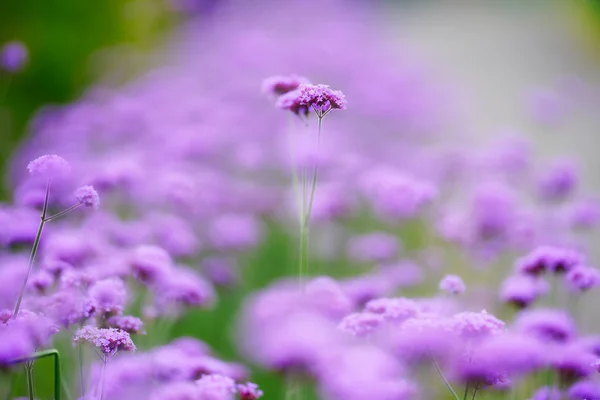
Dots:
pixel 108 341
pixel 320 98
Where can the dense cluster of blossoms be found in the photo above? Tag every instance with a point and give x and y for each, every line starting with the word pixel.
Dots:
pixel 398 222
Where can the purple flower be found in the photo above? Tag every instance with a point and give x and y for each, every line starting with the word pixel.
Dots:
pixel 373 247
pixel 395 310
pixel 234 232
pixel 571 361
pixel 522 290
pixel 13 56
pixel 320 98
pixel 548 259
pixel 559 182
pixel 87 196
pixel 69 307
pixel 184 287
pixel 249 391
pixel 108 341
pixel 127 323
pixel 150 263
pixel 216 387
pixel 546 324
pixel 582 278
pixel 49 167
pixel 278 85
pixel 325 295
pixel 109 296
pixel 360 324
pixel 584 390
pixel 476 324
pixel 452 284
pixel 583 214
pixel 547 393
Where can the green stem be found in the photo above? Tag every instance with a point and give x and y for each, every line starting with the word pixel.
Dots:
pixel 475 392
pixel 80 358
pixel 63 212
pixel 439 371
pixel 47 353
pixel 466 393
pixel 101 382
pixel 29 373
pixel 315 173
pixel 34 249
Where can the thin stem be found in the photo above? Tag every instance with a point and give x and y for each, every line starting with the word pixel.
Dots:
pixel 439 371
pixel 315 173
pixel 80 358
pixel 466 393
pixel 63 212
pixel 42 354
pixel 34 249
pixel 29 373
pixel 475 391
pixel 101 383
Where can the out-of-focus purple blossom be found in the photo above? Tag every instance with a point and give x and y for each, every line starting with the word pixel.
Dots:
pixel 559 182
pixel 546 324
pixel 373 247
pixel 40 281
pixel 571 362
pixel 71 247
pixel 547 107
pixel 360 324
pixel 582 278
pixel 452 284
pixel 184 287
pixel 548 259
pixel 220 270
pixel 13 56
pixel 234 232
pixel 394 310
pixel 108 341
pixel 363 373
pixel 69 307
pixel 583 214
pixel 522 290
pixel 109 296
pixel 216 387
pixel 87 196
pixel 150 263
pixel 249 391
pixel 278 85
pixel 547 393
pixel 49 167
pixel 475 325
pixel 326 295
pixel 584 390
pixel 176 235
pixel 394 194
pixel 127 323
pixel 176 391
pixel 55 267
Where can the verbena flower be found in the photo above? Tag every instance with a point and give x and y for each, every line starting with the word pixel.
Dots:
pixel 548 259
pixel 49 166
pixel 522 290
pixel 217 387
pixel 87 196
pixel 249 391
pixel 307 97
pixel 13 56
pixel 547 324
pixel 452 284
pixel 109 296
pixel 582 278
pixel 127 323
pixel 108 341
pixel 278 85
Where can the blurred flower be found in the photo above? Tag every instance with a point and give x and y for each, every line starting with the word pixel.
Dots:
pixel 452 284
pixel 13 56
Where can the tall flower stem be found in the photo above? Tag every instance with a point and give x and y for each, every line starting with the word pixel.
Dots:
pixel 101 381
pixel 80 359
pixel 43 354
pixel 441 374
pixel 307 203
pixel 29 373
pixel 34 249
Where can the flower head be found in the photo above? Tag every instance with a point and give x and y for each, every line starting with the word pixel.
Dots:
pixel 127 323
pixel 216 387
pixel 582 278
pixel 452 284
pixel 49 166
pixel 320 98
pixel 109 296
pixel 548 259
pixel 279 85
pixel 13 56
pixel 108 341
pixel 87 196
pixel 249 391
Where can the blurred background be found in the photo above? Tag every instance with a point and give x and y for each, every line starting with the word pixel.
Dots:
pixel 491 50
